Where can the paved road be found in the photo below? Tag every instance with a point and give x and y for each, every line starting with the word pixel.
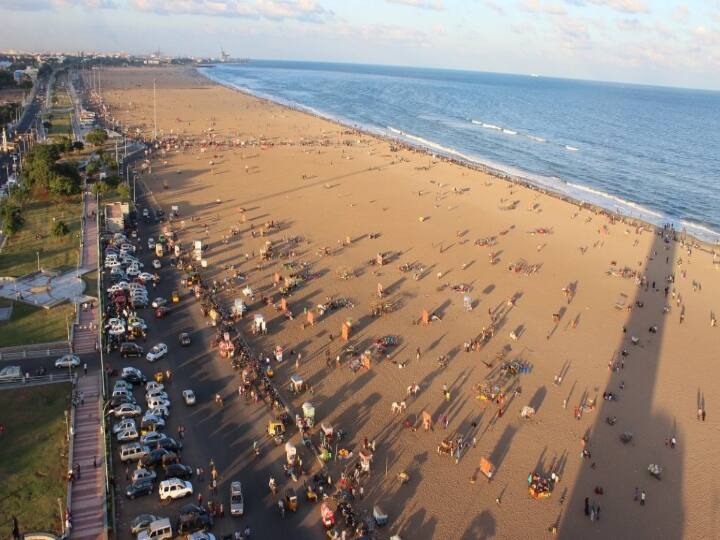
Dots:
pixel 225 434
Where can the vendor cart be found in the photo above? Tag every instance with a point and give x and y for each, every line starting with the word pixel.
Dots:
pixel 308 414
pixel 291 500
pixel 297 385
pixel 327 515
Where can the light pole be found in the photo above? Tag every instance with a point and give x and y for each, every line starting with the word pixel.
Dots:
pixel 38 259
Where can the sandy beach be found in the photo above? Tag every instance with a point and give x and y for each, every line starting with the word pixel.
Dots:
pixel 562 291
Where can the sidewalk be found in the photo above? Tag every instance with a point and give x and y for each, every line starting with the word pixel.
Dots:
pixel 88 493
pixel 84 333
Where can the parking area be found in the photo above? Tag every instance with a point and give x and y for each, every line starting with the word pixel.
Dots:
pixel 213 435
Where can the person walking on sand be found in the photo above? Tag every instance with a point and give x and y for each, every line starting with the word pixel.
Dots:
pixel 642 498
pixel 587 506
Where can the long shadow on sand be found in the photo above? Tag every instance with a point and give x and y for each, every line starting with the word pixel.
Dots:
pixel 621 468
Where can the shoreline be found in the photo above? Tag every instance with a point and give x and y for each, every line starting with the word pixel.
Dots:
pixel 681 235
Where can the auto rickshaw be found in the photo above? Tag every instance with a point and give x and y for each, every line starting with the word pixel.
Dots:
pixel 291 500
pixel 175 297
pixel 276 430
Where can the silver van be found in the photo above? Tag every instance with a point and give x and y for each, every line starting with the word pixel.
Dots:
pixel 160 529
pixel 132 451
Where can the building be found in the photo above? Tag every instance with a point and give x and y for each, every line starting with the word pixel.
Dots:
pixel 115 215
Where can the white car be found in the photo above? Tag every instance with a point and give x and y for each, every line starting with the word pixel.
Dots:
pixel 67 361
pixel 146 276
pixel 159 302
pixel 156 394
pixel 124 424
pixel 189 397
pixel 154 403
pixel 132 271
pixel 157 352
pixel 174 488
pixel 127 435
pixel 112 263
pixel 123 384
pixel 153 385
pixel 139 475
pixel 161 411
pixel 156 264
pixel 126 409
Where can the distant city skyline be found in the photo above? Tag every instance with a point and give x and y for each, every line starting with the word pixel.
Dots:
pixel 658 42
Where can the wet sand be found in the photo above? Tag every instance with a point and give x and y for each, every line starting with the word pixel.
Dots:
pixel 325 183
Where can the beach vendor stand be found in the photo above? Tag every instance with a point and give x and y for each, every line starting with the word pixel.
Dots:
pixel 259 324
pixel 291 500
pixel 527 412
pixel 276 429
pixel 308 414
pixel 297 385
pixel 365 460
pixel 239 308
pixel 290 453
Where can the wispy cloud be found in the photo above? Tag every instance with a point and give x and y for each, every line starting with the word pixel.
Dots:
pixel 494 6
pixel 424 4
pixel 537 6
pixel 308 10
pixel 39 5
pixel 623 6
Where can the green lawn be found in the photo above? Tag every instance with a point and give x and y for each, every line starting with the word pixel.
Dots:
pixel 19 256
pixel 29 325
pixel 90 284
pixel 59 124
pixel 60 98
pixel 32 457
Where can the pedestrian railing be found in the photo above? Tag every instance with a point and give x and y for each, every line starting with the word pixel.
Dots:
pixel 36 380
pixel 57 350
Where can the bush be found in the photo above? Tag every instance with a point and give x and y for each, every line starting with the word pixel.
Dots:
pixel 112 181
pixel 59 228
pixel 11 215
pixel 96 137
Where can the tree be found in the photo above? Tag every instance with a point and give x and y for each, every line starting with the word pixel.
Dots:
pixel 92 167
pixel 11 215
pixel 97 137
pixel 59 228
pixel 39 165
pixel 112 180
pixel 100 188
pixel 123 192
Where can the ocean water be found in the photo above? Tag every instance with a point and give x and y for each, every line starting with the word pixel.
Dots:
pixel 645 151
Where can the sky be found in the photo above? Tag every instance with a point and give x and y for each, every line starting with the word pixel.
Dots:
pixel 661 42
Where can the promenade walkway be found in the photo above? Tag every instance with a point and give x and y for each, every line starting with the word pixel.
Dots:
pixel 88 493
pixel 85 333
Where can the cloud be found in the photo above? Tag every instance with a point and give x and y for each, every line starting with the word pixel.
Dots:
pixel 536 6
pixel 623 6
pixel 306 10
pixel 681 14
pixel 494 6
pixel 424 4
pixel 38 5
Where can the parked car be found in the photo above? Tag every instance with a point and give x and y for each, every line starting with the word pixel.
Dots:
pixel 174 488
pixel 151 386
pixel 68 361
pixel 150 422
pixel 127 435
pixel 157 352
pixel 143 474
pixel 141 523
pixel 152 438
pixel 178 470
pixel 133 375
pixel 125 423
pixel 126 409
pixel 161 411
pixel 188 397
pixel 168 443
pixel 116 401
pixel 128 349
pixel 136 489
pixel 158 456
pixel 193 518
